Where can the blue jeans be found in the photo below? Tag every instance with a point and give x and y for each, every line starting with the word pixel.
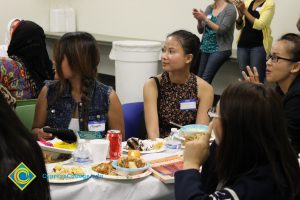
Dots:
pixel 253 57
pixel 210 63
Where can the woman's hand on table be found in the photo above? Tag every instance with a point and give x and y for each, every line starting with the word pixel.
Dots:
pixel 197 151
pixel 40 133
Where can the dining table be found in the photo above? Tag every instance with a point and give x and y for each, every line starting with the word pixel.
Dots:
pixel 97 188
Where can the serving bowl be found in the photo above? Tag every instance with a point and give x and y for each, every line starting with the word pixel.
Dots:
pixel 192 129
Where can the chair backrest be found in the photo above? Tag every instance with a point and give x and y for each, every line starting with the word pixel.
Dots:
pixel 26 115
pixel 25 102
pixel 134 120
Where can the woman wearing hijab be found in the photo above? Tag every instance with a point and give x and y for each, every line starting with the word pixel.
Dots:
pixel 28 65
pixel 10 27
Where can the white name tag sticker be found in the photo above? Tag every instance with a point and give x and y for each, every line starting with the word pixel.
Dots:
pixel 209 16
pixel 96 125
pixel 188 104
pixel 258 9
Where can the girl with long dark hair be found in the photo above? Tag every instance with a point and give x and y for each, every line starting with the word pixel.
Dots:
pixel 77 100
pixel 251 157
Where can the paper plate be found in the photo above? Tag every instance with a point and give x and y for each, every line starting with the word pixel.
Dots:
pixel 73 178
pixel 163 148
pixel 118 177
pixel 54 149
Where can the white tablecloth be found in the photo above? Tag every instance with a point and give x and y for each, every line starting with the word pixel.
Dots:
pixel 95 188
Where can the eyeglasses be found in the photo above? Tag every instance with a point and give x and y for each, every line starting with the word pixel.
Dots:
pixel 212 113
pixel 274 58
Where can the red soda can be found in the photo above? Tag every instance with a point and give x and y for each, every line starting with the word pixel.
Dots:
pixel 115 144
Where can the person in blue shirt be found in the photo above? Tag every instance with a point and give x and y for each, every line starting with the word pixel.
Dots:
pixel 251 157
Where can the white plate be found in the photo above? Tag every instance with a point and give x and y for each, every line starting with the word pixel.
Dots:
pixel 111 177
pixel 61 162
pixel 163 148
pixel 54 149
pixel 87 175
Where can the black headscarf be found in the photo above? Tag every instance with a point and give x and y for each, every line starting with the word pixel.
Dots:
pixel 28 44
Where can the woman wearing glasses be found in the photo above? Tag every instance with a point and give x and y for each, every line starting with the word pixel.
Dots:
pixel 251 157
pixel 283 68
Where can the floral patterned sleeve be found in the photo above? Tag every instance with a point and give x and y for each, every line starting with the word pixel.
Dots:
pixel 8 97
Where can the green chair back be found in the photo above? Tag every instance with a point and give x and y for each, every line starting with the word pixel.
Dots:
pixel 25 102
pixel 26 115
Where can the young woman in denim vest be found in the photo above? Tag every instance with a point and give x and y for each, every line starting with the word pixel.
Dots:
pixel 77 100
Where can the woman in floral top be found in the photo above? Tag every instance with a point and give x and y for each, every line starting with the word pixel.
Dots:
pixel 28 65
pixel 11 101
pixel 176 95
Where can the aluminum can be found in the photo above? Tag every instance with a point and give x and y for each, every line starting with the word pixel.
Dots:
pixel 115 144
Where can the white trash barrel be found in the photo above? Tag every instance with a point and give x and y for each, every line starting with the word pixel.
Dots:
pixel 135 62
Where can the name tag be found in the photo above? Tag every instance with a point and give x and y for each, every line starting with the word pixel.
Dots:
pixel 209 16
pixel 96 125
pixel 90 135
pixel 188 104
pixel 258 9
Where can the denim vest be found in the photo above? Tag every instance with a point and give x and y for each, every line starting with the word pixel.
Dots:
pixel 60 109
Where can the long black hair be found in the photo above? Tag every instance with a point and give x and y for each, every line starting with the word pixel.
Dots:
pixel 83 54
pixel 254 134
pixel 28 44
pixel 16 146
pixel 190 44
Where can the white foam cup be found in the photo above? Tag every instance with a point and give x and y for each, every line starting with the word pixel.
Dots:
pixel 99 149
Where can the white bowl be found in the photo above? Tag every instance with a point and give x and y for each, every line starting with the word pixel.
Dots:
pixel 193 128
pixel 129 171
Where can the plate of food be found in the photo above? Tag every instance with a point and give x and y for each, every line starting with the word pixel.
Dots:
pixel 145 146
pixel 107 171
pixel 52 158
pixel 58 146
pixel 67 173
pixel 192 132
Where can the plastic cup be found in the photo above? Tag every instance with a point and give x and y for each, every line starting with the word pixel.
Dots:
pixel 99 150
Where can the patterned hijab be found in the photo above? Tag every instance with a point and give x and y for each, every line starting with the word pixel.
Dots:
pixel 28 44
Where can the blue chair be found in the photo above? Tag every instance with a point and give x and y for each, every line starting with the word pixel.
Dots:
pixel 134 120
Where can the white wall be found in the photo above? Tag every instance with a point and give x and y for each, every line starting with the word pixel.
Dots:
pixel 35 10
pixel 154 19
pixel 144 19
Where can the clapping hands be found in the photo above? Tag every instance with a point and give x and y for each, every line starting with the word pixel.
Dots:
pixel 240 6
pixel 198 14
